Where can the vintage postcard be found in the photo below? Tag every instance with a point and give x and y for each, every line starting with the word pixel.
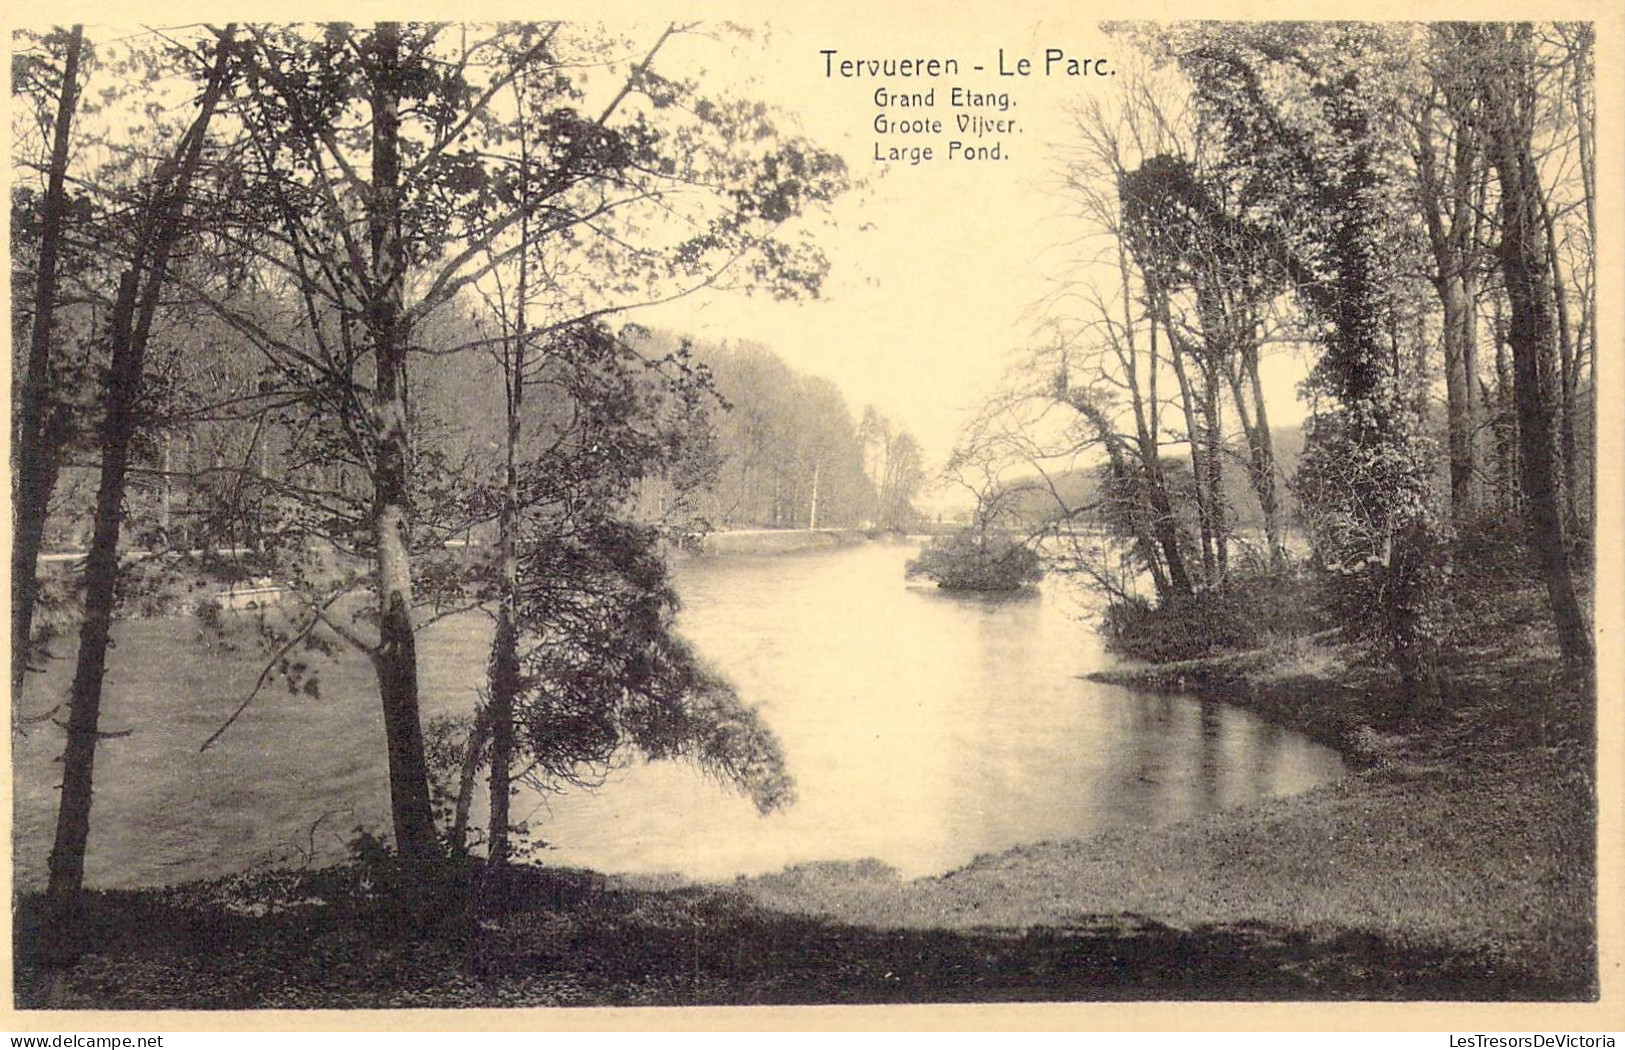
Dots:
pixel 1042 516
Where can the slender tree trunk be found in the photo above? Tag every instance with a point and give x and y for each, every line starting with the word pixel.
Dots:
pixel 35 458
pixel 1472 401
pixel 1193 404
pixel 1506 420
pixel 479 738
pixel 1152 483
pixel 395 660
pixel 67 861
pixel 504 669
pixel 812 522
pixel 1533 337
pixel 1164 526
pixel 504 685
pixel 1472 188
pixel 1584 109
pixel 1260 446
pixel 1462 420
pixel 166 493
pixel 1568 371
pixel 1217 347
pixel 1455 250
pixel 1197 441
pixel 1214 434
pixel 139 291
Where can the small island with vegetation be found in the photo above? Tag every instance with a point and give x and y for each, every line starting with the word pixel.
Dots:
pixel 971 561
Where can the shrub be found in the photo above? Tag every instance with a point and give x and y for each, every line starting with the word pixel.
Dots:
pixel 971 561
pixel 208 612
pixel 1251 612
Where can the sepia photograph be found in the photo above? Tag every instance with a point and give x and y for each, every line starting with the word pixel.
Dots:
pixel 832 509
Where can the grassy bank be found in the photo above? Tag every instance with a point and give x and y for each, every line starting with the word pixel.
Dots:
pixel 1421 877
pixel 1482 867
pixel 567 938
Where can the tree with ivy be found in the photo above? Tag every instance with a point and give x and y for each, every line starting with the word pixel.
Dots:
pixel 1304 114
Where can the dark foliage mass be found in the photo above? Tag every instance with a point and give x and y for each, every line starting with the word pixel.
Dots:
pixel 967 561
pixel 1254 612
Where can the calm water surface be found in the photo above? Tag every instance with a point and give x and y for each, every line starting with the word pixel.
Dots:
pixel 922 729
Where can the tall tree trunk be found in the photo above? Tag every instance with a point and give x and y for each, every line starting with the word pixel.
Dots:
pixel 166 488
pixel 504 669
pixel 1199 405
pixel 504 674
pixel 1197 442
pixel 1506 420
pixel 1460 403
pixel 504 686
pixel 1214 441
pixel 1456 195
pixel 1472 401
pixel 1260 445
pixel 1217 347
pixel 479 739
pixel 1532 334
pixel 67 861
pixel 395 660
pixel 1154 489
pixel 1152 483
pixel 35 458
pixel 139 291
pixel 1568 372
pixel 1585 112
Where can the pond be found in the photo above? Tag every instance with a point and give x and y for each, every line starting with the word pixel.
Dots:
pixel 922 729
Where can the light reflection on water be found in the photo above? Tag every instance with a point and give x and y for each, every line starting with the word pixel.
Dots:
pixel 922 728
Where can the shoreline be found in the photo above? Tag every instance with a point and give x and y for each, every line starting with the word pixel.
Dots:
pixel 1480 885
pixel 734 542
pixel 1306 688
pixel 1486 861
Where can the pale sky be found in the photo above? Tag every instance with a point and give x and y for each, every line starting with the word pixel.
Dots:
pixel 937 268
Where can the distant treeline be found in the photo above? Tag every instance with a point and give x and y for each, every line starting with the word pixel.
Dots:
pixel 785 451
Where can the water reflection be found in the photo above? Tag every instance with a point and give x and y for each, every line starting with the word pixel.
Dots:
pixel 922 728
